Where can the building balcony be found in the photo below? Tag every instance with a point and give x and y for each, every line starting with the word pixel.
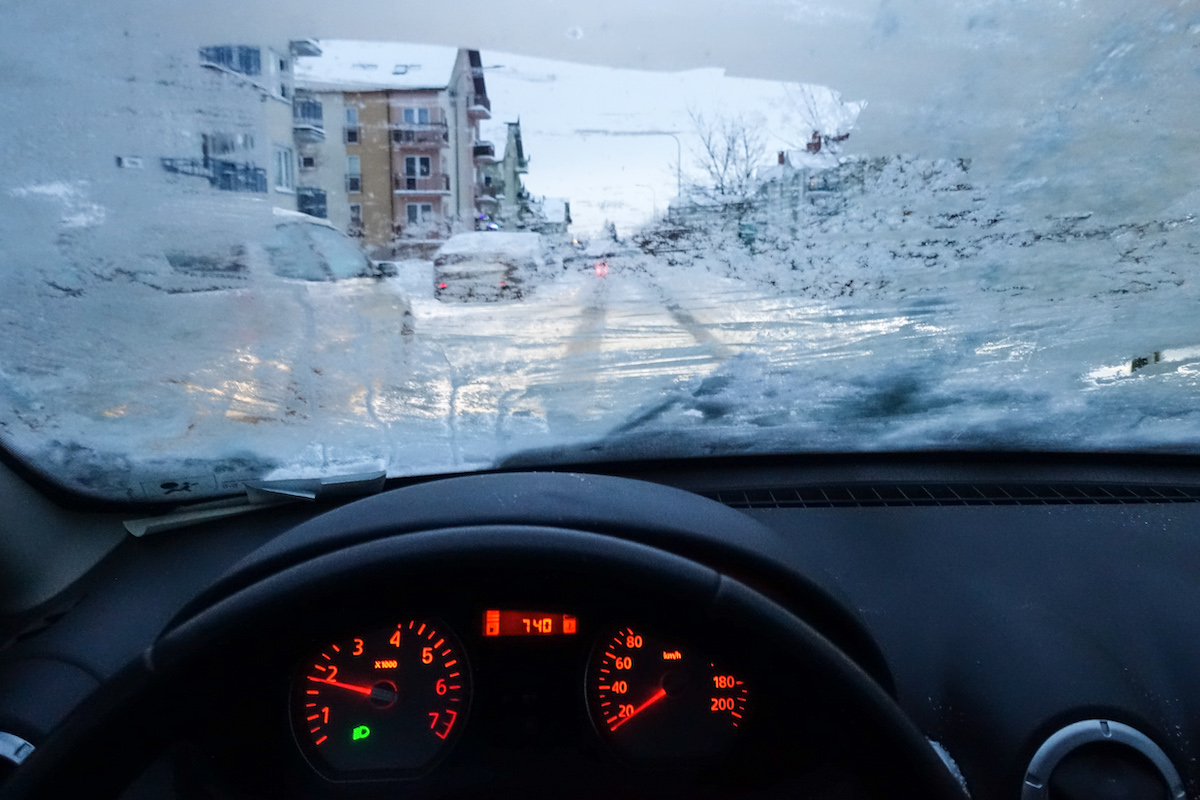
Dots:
pixel 305 109
pixel 304 47
pixel 485 151
pixel 430 184
pixel 308 132
pixel 479 106
pixel 308 121
pixel 227 176
pixel 409 134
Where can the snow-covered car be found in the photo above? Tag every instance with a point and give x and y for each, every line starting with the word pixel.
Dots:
pixel 312 249
pixel 488 266
pixel 287 244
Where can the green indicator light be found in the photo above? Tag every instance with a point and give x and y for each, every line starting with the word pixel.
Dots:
pixel 361 732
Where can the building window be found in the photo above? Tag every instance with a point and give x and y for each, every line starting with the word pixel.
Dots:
pixel 419 212
pixel 308 111
pixel 311 201
pixel 416 116
pixel 353 133
pixel 356 215
pixel 308 162
pixel 415 166
pixel 246 60
pixel 285 169
pixel 353 174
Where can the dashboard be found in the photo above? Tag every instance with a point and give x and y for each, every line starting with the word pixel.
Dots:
pixel 866 628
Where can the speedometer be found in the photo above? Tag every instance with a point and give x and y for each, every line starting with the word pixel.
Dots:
pixel 653 697
pixel 387 700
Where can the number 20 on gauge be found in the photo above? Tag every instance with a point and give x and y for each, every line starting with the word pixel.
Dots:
pixel 654 697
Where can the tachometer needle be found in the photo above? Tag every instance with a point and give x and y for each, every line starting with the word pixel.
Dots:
pixel 376 692
pixel 654 698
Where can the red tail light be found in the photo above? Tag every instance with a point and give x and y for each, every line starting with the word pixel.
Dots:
pixel 441 286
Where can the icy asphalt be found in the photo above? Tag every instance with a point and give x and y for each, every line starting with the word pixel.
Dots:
pixel 294 378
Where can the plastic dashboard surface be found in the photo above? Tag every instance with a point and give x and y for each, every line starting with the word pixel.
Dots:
pixel 994 626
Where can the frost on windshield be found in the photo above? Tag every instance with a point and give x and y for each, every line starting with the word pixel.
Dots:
pixel 228 256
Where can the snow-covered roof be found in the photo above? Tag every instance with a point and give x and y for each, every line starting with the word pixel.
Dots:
pixel 352 65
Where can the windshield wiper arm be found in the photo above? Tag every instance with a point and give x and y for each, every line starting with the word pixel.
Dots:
pixel 259 495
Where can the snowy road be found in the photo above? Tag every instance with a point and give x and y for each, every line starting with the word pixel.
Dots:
pixel 277 377
pixel 323 375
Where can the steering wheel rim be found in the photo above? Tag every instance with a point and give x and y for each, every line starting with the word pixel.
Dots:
pixel 94 750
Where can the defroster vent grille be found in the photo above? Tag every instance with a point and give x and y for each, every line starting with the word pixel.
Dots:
pixel 953 494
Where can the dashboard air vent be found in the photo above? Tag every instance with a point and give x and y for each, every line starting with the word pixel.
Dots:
pixel 954 494
pixel 1098 758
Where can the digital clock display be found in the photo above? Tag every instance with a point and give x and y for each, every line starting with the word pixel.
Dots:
pixel 528 623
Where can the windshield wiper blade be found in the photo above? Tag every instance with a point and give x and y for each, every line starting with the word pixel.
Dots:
pixel 259 495
pixel 357 485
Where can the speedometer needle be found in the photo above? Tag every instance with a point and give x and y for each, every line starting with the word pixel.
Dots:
pixel 654 698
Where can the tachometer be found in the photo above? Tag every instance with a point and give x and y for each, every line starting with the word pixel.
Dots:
pixel 385 701
pixel 655 698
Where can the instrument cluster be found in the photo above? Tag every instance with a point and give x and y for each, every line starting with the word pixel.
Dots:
pixel 393 700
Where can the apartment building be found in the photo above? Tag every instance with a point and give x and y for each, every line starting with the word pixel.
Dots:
pixel 407 139
pixel 505 200
pixel 241 135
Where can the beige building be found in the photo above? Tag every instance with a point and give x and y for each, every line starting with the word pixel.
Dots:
pixel 365 138
pixel 409 138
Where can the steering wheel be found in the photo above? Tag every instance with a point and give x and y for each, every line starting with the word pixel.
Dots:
pixel 665 552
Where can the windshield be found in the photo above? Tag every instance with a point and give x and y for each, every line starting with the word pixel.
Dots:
pixel 239 245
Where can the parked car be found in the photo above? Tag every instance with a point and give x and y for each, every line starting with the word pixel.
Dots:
pixel 312 249
pixel 488 266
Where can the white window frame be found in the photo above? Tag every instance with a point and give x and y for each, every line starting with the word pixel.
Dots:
pixel 353 173
pixel 424 213
pixel 356 218
pixel 285 169
pixel 412 116
pixel 417 163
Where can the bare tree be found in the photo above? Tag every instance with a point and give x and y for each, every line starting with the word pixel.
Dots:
pixel 824 114
pixel 730 150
